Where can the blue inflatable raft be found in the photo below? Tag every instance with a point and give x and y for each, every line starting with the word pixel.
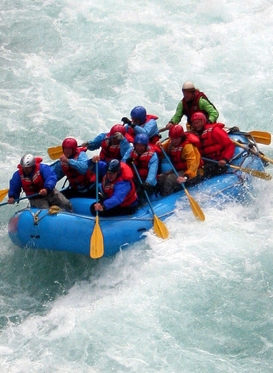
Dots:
pixel 72 232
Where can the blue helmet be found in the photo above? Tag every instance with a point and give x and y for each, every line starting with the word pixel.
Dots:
pixel 139 112
pixel 141 138
pixel 113 165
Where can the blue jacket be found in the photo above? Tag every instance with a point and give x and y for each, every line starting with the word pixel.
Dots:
pixel 80 164
pixel 121 189
pixel 96 143
pixel 150 128
pixel 47 173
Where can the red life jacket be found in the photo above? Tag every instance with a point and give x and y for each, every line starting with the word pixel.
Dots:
pixel 76 179
pixel 176 152
pixel 193 106
pixel 109 151
pixel 125 174
pixel 142 162
pixel 209 148
pixel 34 183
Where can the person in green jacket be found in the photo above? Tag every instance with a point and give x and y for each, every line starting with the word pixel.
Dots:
pixel 193 101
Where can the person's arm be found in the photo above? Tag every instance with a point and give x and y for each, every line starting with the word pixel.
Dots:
pixel 127 155
pixel 149 128
pixel 49 177
pixel 80 164
pixel 15 186
pixel 57 168
pixel 121 189
pixel 153 168
pixel 221 137
pixel 125 147
pixel 192 157
pixel 96 143
pixel 206 106
pixel 178 114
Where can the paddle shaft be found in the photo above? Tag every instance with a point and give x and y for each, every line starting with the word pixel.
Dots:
pixel 260 174
pixel 20 199
pixel 247 148
pixel 198 213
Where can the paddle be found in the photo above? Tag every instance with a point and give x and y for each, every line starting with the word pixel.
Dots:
pixel 19 199
pixel 55 152
pixel 96 242
pixel 160 228
pixel 256 173
pixel 198 213
pixel 249 148
pixel 3 194
pixel 259 136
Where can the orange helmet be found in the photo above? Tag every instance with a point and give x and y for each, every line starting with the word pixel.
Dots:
pixel 176 131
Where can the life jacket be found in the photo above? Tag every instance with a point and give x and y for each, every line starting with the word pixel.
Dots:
pixel 76 179
pixel 193 106
pixel 209 148
pixel 175 152
pixel 125 174
pixel 34 183
pixel 142 162
pixel 153 139
pixel 109 150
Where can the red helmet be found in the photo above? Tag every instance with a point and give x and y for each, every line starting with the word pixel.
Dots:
pixel 117 128
pixel 176 131
pixel 199 116
pixel 70 142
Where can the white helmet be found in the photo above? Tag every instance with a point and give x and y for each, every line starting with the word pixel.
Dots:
pixel 27 160
pixel 188 85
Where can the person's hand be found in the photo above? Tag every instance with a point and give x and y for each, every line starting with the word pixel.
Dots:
pixel 126 120
pixel 119 136
pixel 84 144
pixel 169 125
pixel 129 160
pixel 98 207
pixel 43 192
pixel 96 158
pixel 181 179
pixel 63 159
pixel 146 186
pixel 11 200
pixel 222 163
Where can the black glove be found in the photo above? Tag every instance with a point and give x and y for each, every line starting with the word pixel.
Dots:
pixel 146 186
pixel 129 160
pixel 233 129
pixel 125 120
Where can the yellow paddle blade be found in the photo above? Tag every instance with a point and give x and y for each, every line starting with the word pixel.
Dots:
pixel 261 137
pixel 198 213
pixel 3 193
pixel 96 242
pixel 256 173
pixel 160 228
pixel 55 152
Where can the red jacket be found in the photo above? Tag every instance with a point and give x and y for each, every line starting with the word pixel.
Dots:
pixel 215 143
